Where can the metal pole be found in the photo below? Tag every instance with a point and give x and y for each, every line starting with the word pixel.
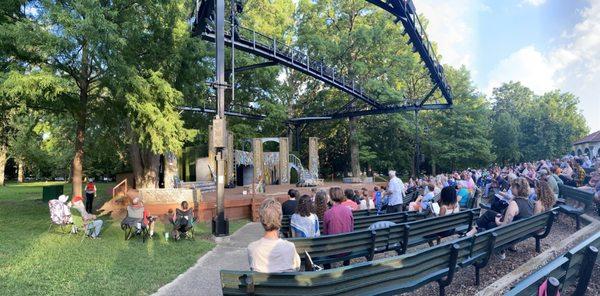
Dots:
pixel 220 225
pixel 233 25
pixel 417 145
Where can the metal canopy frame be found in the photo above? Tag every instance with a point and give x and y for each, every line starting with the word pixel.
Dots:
pixel 274 52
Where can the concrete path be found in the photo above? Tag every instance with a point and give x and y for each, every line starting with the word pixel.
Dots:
pixel 203 278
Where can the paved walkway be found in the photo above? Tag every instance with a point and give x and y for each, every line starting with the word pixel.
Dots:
pixel 203 278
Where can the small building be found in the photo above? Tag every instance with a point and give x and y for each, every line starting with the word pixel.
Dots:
pixel 588 145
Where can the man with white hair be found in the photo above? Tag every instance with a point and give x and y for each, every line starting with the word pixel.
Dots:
pixel 395 192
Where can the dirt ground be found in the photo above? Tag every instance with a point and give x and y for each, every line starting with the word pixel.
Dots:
pixel 464 279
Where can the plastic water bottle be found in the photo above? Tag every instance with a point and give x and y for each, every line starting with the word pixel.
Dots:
pixel 166 236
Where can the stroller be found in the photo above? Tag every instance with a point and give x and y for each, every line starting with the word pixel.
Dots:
pixel 183 224
pixel 136 223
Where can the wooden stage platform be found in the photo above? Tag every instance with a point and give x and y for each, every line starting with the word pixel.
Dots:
pixel 245 206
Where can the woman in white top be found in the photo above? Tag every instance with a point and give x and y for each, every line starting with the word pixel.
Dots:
pixel 448 201
pixel 304 223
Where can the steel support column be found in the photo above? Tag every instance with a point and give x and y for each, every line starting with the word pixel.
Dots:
pixel 220 225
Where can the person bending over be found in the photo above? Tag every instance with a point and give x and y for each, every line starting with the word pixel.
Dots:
pixel 271 254
pixel 183 220
pixel 519 207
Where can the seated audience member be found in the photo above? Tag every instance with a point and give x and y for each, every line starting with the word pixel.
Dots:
pixel 579 173
pixel 545 198
pixel 183 220
pixel 519 207
pixel 463 194
pixel 448 201
pixel 321 204
pixel 423 202
pixel 357 197
pixel 92 225
pixel 594 180
pixel 138 218
pixel 347 200
pixel 271 254
pixel 366 203
pixel 339 218
pixel 60 213
pixel 548 178
pixel 77 203
pixel 304 223
pixel 289 206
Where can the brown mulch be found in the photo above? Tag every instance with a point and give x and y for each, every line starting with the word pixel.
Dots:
pixel 464 279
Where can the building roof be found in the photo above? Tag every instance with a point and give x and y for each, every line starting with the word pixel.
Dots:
pixel 593 137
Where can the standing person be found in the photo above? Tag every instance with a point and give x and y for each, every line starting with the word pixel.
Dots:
pixel 396 193
pixel 289 206
pixel 270 253
pixel 304 223
pixel 90 193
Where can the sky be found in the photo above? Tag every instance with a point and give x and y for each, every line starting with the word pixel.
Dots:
pixel 544 44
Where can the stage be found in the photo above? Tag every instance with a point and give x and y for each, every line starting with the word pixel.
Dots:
pixel 245 206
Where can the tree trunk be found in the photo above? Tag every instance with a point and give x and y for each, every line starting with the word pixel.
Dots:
pixel 354 158
pixel 3 152
pixel 81 120
pixel 77 164
pixel 145 166
pixel 21 171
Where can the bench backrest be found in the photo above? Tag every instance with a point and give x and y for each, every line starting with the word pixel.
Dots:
pixel 567 269
pixel 582 196
pixel 385 276
pixel 365 243
pixel 363 222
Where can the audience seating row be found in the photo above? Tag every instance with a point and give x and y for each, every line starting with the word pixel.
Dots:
pixel 366 243
pixel 396 274
pixel 573 268
pixel 362 220
pixel 582 197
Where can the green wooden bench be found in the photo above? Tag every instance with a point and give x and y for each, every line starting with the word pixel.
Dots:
pixel 363 222
pixel 366 243
pixel 576 266
pixel 388 276
pixel 581 196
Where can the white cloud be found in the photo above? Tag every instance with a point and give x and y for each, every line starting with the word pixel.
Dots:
pixel 452 27
pixel 527 65
pixel 573 66
pixel 534 2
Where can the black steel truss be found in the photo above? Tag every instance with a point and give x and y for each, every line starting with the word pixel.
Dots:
pixel 278 53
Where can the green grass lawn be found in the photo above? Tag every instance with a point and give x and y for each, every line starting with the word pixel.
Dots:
pixel 34 261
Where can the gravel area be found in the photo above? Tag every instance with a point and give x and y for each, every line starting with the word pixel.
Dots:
pixel 464 279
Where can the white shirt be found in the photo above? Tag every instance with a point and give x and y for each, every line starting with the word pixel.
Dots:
pixel 396 188
pixel 273 255
pixel 363 204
